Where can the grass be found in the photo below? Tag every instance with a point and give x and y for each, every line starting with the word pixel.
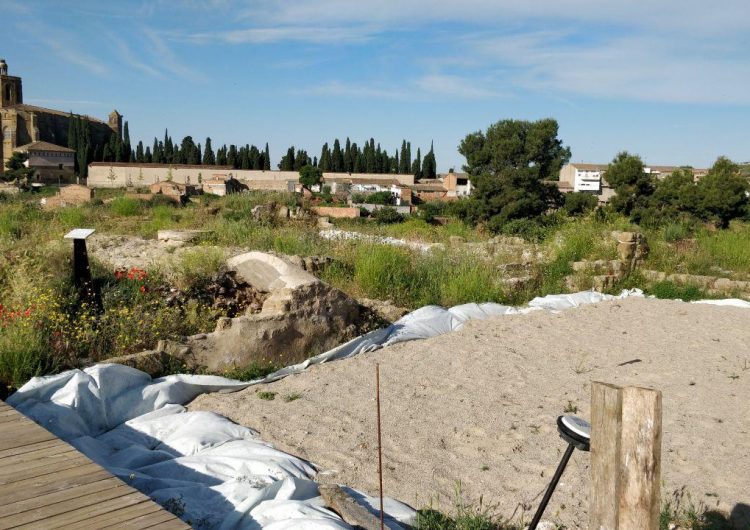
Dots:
pixel 126 207
pixel 679 511
pixel 672 291
pixel 266 396
pixel 294 396
pixel 464 516
pixel 255 370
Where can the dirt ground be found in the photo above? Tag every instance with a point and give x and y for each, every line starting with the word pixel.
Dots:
pixel 479 406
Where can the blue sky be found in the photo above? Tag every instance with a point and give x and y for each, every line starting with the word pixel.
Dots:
pixel 667 79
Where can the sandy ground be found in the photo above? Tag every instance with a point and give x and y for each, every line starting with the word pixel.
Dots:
pixel 479 406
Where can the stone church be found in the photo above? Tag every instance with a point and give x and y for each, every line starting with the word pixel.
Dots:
pixel 23 124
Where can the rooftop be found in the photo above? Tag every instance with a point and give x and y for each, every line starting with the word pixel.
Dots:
pixel 33 108
pixel 44 146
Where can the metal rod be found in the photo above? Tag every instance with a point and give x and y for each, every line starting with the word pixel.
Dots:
pixel 380 444
pixel 552 486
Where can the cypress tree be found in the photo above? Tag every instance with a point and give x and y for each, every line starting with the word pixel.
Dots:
pixel 246 161
pixel 232 158
pixel 416 167
pixel 126 149
pixel 325 158
pixel 378 166
pixel 370 156
pixel 315 161
pixel 395 167
pixel 139 156
pixel 429 167
pixel 209 159
pixel 348 156
pixel 267 159
pixel 337 157
pixel 148 157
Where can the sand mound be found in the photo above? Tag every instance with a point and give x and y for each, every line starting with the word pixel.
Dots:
pixel 479 405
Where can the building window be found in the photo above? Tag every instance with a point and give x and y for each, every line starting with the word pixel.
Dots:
pixel 59 166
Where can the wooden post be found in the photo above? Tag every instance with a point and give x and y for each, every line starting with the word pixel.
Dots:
pixel 625 458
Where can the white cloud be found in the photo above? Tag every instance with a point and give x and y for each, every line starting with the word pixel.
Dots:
pixel 283 34
pixel 354 90
pixel 455 87
pixel 638 67
pixel 127 55
pixel 167 59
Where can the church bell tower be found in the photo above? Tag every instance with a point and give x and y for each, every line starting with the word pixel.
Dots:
pixel 11 92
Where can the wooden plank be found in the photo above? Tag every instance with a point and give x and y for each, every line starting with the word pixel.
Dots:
pixel 46 483
pixel 45 454
pixel 53 466
pixel 32 447
pixel 73 510
pixel 32 436
pixel 69 478
pixel 147 520
pixel 174 524
pixel 625 458
pixel 122 516
pixel 53 497
pixel 348 508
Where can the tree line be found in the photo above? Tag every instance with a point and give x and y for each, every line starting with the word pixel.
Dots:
pixel 370 158
pixel 513 163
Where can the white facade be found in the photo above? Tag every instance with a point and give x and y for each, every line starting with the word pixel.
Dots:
pixel 588 180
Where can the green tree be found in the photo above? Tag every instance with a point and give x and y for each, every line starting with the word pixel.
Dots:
pixel 287 161
pixel 633 186
pixel 381 197
pixel 310 176
pixel 126 149
pixel 509 165
pixel 232 158
pixel 416 167
pixel 15 170
pixel 722 193
pixel 139 154
pixel 580 203
pixel 325 158
pixel 337 157
pixel 209 159
pixel 266 159
pixel 429 166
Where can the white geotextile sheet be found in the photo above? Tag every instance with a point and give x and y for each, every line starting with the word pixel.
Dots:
pixel 210 471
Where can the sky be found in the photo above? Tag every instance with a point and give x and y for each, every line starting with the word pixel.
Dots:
pixel 666 79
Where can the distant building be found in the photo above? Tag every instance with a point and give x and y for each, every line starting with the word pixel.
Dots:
pixel 457 184
pixel 51 163
pixel 589 178
pixel 22 124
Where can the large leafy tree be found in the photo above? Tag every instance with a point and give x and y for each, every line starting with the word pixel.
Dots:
pixel 310 176
pixel 509 165
pixel 722 193
pixel 633 186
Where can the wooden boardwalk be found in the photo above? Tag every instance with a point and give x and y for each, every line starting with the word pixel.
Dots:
pixel 45 483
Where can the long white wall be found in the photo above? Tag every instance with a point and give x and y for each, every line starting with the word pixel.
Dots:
pixel 118 175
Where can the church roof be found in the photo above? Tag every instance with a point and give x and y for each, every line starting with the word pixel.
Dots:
pixel 44 146
pixel 42 110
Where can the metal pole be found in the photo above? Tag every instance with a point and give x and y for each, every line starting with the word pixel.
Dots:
pixel 380 444
pixel 552 486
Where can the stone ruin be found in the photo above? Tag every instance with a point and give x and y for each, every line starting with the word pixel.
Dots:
pixel 300 316
pixel 632 249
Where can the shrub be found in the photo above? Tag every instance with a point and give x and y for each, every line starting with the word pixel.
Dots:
pixel 194 268
pixel 672 291
pixel 381 197
pixel 387 215
pixel 126 207
pixel 580 203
